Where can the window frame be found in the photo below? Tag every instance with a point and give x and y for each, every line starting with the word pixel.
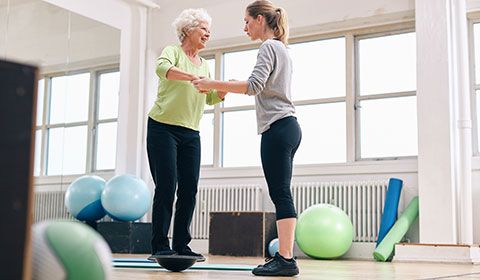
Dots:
pixel 351 99
pixel 473 18
pixel 92 121
pixel 359 98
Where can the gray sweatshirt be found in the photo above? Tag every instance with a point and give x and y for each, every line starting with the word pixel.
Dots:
pixel 270 83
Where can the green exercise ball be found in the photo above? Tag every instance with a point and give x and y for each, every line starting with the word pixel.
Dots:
pixel 324 231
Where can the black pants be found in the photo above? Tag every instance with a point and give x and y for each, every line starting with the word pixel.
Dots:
pixel 174 157
pixel 279 144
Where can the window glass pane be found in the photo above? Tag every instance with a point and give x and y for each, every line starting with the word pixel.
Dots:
pixel 67 150
pixel 69 98
pixel 38 150
pixel 476 30
pixel 106 146
pixel 318 69
pixel 109 84
pixel 40 97
pixel 238 66
pixel 388 127
pixel 323 133
pixel 211 69
pixel 206 134
pixel 241 144
pixel 387 64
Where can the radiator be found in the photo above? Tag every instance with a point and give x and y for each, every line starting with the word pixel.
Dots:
pixel 361 201
pixel 220 199
pixel 50 205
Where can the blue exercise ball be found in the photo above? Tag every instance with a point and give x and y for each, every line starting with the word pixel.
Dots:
pixel 83 198
pixel 126 198
pixel 273 247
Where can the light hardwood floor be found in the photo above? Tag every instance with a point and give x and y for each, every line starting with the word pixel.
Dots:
pixel 311 270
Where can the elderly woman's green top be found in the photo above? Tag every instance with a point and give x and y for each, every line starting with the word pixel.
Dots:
pixel 178 102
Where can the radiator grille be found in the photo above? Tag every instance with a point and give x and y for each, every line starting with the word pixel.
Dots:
pixel 362 201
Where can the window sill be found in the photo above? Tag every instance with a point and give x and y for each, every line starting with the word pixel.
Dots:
pixel 68 179
pixel 355 168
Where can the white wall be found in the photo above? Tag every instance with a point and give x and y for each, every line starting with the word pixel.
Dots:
pixel 37 33
pixel 228 15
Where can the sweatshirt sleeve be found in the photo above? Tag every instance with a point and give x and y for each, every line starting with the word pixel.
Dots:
pixel 166 61
pixel 213 98
pixel 262 70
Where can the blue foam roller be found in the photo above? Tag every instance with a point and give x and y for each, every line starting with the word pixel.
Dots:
pixel 390 208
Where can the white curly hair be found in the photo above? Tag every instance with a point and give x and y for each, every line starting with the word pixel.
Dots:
pixel 188 19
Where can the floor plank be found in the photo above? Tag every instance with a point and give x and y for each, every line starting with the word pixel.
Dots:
pixel 310 270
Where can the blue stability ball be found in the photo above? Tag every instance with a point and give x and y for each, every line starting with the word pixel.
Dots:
pixel 82 198
pixel 126 198
pixel 273 247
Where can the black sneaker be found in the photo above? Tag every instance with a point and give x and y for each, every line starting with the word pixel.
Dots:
pixel 165 252
pixel 188 252
pixel 277 266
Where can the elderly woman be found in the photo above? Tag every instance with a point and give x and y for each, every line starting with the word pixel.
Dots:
pixel 173 140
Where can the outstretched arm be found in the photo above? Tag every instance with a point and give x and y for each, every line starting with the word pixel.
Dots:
pixel 223 86
pixel 176 74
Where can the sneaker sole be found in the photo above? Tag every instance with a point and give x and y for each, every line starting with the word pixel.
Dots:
pixel 285 272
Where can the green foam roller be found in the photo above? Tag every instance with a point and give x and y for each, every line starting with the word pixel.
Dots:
pixel 385 249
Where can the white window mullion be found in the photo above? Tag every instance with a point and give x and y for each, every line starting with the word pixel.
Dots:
pixel 46 108
pixel 475 87
pixel 356 103
pixel 217 118
pixel 91 124
pixel 350 96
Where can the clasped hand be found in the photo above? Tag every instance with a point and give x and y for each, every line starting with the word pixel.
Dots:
pixel 201 84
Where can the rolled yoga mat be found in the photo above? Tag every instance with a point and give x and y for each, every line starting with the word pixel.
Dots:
pixel 390 207
pixel 396 233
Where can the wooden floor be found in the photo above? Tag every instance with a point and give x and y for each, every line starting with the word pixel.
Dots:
pixel 311 270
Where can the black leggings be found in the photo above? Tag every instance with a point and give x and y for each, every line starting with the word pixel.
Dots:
pixel 279 144
pixel 174 157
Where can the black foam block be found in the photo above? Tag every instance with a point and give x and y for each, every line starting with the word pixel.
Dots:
pixel 127 237
pixel 241 233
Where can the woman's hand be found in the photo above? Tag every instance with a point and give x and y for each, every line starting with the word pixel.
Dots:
pixel 202 84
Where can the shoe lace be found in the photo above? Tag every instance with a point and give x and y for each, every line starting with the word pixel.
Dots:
pixel 269 261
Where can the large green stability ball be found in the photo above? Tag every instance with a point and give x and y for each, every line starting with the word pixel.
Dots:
pixel 324 231
pixel 69 250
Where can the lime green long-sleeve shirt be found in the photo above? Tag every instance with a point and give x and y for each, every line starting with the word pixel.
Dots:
pixel 178 102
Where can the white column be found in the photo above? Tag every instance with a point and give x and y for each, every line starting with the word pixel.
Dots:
pixel 131 115
pixel 444 125
pixel 463 123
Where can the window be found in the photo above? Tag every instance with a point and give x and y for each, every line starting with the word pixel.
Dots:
pixel 78 123
pixel 207 125
pixel 238 66
pixel 241 144
pixel 106 121
pixel 386 101
pixel 318 90
pixel 206 138
pixel 355 99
